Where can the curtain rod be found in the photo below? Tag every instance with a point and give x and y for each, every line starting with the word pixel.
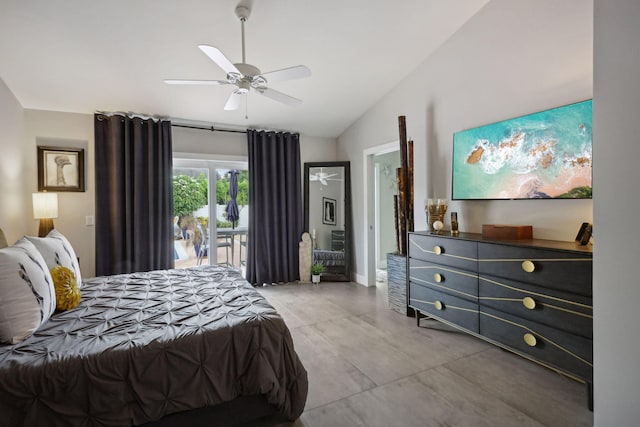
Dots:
pixel 209 128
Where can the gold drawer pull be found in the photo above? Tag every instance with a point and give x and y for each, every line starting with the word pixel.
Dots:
pixel 530 340
pixel 529 302
pixel 528 266
pixel 438 305
pixel 437 250
pixel 438 277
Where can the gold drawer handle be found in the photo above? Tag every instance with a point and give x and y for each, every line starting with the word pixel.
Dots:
pixel 439 305
pixel 530 340
pixel 528 266
pixel 438 277
pixel 437 250
pixel 529 302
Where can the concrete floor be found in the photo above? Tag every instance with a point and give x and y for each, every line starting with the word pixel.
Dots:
pixel 371 366
pixel 224 256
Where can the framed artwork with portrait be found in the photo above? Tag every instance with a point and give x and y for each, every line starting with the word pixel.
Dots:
pixel 328 211
pixel 60 169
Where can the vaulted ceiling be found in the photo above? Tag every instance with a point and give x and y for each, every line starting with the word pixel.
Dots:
pixel 85 56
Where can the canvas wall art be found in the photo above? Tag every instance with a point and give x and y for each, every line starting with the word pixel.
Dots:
pixel 541 155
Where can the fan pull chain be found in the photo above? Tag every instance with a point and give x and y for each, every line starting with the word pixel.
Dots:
pixel 246 107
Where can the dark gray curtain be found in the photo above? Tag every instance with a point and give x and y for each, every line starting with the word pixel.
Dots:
pixel 134 195
pixel 275 201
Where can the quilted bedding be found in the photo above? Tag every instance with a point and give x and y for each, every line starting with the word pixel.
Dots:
pixel 143 345
pixel 328 258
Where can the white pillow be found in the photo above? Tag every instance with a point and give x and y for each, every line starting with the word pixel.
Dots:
pixel 56 250
pixel 27 295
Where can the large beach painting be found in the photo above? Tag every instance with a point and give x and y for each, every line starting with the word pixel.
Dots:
pixel 538 156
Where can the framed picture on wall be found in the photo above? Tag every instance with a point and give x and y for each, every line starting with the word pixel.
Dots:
pixel 328 211
pixel 60 169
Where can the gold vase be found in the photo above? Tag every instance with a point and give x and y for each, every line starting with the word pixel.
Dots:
pixel 435 210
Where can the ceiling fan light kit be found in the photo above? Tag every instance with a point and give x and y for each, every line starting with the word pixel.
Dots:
pixel 246 76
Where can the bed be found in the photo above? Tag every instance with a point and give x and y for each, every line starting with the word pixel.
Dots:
pixel 157 347
pixel 333 261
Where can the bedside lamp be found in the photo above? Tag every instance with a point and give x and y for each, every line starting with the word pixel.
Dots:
pixel 45 208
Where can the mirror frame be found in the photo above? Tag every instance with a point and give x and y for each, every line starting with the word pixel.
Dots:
pixel 348 232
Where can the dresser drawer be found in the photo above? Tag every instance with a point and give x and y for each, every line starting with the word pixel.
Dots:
pixel 442 250
pixel 459 311
pixel 562 350
pixel 562 270
pixel 568 312
pixel 457 282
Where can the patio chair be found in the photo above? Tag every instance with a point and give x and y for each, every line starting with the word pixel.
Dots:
pixel 243 244
pixel 224 241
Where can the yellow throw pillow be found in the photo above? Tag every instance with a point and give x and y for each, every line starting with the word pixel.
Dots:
pixel 67 290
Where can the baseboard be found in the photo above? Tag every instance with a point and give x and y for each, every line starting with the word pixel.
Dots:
pixel 359 279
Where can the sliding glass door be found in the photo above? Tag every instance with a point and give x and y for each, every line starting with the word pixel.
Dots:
pixel 210 212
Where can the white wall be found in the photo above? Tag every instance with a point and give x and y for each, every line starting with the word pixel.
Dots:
pixel 510 59
pixel 616 206
pixel 13 193
pixel 317 149
pixel 198 141
pixel 65 130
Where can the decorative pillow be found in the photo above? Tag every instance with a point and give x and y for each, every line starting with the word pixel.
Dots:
pixel 3 240
pixel 56 250
pixel 67 291
pixel 27 297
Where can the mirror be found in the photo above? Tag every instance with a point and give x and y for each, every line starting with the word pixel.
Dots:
pixel 327 207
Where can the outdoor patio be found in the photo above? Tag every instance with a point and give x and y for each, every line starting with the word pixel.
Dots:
pixel 224 255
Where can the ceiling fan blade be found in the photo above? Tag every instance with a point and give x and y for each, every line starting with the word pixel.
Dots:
pixel 219 58
pixel 196 82
pixel 297 72
pixel 279 96
pixel 233 102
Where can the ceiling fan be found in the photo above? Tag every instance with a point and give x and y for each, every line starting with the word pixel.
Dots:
pixel 246 76
pixel 322 177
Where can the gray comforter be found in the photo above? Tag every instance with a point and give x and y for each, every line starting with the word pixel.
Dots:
pixel 328 258
pixel 143 345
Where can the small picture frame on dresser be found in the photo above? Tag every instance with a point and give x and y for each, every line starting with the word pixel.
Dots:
pixel 584 234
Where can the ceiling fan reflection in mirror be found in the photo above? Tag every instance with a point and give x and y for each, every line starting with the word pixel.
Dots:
pixel 246 76
pixel 322 177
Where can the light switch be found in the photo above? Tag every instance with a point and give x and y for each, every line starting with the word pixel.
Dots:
pixel 88 220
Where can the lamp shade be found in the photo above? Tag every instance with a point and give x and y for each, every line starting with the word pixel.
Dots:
pixel 45 205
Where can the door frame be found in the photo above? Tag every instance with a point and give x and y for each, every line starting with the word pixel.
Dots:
pixel 212 163
pixel 368 235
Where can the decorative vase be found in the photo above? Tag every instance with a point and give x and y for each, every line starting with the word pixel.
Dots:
pixel 397 284
pixel 435 210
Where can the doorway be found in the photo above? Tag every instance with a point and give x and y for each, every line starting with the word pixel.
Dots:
pixel 380 163
pixel 203 234
pixel 386 187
